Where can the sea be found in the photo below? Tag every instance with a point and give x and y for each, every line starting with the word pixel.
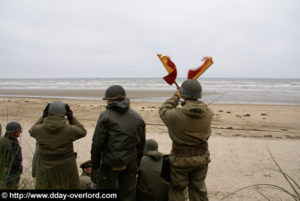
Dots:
pixel 279 91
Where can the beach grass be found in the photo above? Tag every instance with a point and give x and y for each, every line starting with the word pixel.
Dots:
pixel 6 163
pixel 264 190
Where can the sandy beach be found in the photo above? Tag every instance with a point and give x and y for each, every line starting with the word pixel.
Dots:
pixel 238 144
pixel 83 94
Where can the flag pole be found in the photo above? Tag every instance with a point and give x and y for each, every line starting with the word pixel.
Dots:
pixel 176 85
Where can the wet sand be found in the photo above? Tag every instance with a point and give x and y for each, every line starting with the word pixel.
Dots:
pixel 238 144
pixel 86 93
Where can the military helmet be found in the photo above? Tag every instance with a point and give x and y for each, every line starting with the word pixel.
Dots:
pixel 151 145
pixel 191 89
pixel 13 126
pixel 57 108
pixel 115 92
pixel 86 164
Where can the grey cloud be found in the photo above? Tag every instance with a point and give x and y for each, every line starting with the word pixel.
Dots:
pixel 121 38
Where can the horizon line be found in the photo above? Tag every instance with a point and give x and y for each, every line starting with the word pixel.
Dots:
pixel 10 78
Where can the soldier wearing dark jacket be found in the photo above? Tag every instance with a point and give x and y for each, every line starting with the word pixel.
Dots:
pixel 118 144
pixel 189 128
pixel 56 166
pixel 150 186
pixel 11 156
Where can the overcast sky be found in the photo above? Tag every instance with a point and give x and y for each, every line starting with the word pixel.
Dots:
pixel 95 38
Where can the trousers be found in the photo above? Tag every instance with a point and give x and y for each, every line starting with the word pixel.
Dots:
pixel 192 178
pixel 124 180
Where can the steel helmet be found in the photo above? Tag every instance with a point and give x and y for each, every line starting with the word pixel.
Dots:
pixel 191 89
pixel 57 108
pixel 13 126
pixel 115 92
pixel 151 145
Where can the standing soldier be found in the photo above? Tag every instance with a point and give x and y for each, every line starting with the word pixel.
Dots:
pixel 11 156
pixel 118 145
pixel 56 164
pixel 189 129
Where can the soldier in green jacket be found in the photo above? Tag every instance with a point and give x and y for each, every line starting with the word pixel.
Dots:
pixel 118 145
pixel 56 163
pixel 11 158
pixel 189 128
pixel 150 186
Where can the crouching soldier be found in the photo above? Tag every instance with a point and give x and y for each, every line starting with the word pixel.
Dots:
pixel 85 177
pixel 118 143
pixel 54 134
pixel 189 129
pixel 150 185
pixel 11 156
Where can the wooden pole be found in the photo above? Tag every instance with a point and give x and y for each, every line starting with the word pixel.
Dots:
pixel 177 85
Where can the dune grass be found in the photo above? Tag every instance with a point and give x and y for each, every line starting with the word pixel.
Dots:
pixel 6 162
pixel 293 193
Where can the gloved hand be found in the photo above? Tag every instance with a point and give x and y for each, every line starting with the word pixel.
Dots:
pixel 69 113
pixel 94 176
pixel 46 111
pixel 177 94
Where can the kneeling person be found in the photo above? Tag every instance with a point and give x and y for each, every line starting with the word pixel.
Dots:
pixel 150 186
pixel 85 177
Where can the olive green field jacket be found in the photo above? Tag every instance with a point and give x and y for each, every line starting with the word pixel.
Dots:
pixel 56 163
pixel 189 125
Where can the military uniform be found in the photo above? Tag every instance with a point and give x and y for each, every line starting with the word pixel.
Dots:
pixel 35 160
pixel 85 178
pixel 57 167
pixel 85 181
pixel 150 186
pixel 118 144
pixel 11 161
pixel 189 128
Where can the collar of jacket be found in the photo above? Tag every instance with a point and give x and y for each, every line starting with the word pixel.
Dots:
pixel 194 109
pixel 14 140
pixel 54 123
pixel 85 174
pixel 154 155
pixel 120 106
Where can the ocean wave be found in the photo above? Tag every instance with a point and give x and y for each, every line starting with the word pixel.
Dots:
pixel 234 90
